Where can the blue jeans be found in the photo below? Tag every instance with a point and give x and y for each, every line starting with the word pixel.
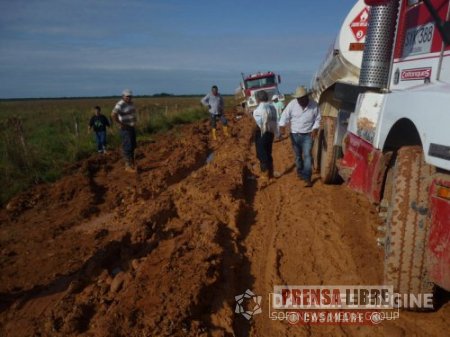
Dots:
pixel 302 145
pixel 100 138
pixel 214 118
pixel 128 136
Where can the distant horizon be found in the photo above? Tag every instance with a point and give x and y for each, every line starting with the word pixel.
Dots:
pixel 105 97
pixel 155 95
pixel 226 86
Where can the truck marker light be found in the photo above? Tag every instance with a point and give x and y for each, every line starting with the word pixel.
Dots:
pixel 443 192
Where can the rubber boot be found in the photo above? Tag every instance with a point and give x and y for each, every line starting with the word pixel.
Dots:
pixel 214 136
pixel 225 131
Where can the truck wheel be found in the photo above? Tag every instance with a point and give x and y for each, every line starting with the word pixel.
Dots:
pixel 329 152
pixel 406 224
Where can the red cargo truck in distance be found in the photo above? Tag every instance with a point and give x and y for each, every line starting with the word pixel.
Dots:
pixel 251 84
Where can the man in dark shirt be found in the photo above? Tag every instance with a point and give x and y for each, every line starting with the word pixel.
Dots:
pixel 98 123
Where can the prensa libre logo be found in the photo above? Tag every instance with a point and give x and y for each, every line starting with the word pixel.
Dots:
pixel 241 300
pixel 352 305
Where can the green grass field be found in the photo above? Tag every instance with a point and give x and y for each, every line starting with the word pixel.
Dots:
pixel 39 138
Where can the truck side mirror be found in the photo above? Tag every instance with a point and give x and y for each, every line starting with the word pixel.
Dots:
pixel 279 79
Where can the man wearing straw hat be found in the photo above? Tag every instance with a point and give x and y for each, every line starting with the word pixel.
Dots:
pixel 303 116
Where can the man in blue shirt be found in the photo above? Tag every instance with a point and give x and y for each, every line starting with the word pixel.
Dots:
pixel 303 115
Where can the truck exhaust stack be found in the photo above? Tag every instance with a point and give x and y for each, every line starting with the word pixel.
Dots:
pixel 377 54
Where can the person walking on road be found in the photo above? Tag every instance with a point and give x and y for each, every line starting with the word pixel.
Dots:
pixel 214 102
pixel 124 113
pixel 303 115
pixel 98 123
pixel 265 116
pixel 279 106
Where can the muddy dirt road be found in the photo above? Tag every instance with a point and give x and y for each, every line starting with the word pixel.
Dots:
pixel 164 253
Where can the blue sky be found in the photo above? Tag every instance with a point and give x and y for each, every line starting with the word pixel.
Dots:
pixel 54 48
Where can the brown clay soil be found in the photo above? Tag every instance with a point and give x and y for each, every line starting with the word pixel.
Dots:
pixel 163 252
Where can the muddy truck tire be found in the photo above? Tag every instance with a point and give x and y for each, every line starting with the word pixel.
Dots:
pixel 407 227
pixel 329 152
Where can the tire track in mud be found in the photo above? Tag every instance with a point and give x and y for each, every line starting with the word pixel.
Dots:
pixel 216 310
pixel 325 235
pixel 304 223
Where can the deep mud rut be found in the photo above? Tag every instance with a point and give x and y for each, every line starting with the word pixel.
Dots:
pixel 164 252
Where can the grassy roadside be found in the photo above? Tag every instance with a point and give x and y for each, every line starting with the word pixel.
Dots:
pixel 38 139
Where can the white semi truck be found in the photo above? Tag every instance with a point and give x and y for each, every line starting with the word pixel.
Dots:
pixel 384 93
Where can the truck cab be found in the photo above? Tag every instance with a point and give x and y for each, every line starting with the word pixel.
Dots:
pixel 253 83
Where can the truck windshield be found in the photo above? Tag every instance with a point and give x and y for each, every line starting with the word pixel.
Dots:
pixel 260 82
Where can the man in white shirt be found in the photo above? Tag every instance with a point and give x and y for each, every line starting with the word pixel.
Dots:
pixel 124 114
pixel 265 116
pixel 303 115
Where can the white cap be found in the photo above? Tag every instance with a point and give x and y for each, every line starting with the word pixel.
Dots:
pixel 127 92
pixel 274 97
